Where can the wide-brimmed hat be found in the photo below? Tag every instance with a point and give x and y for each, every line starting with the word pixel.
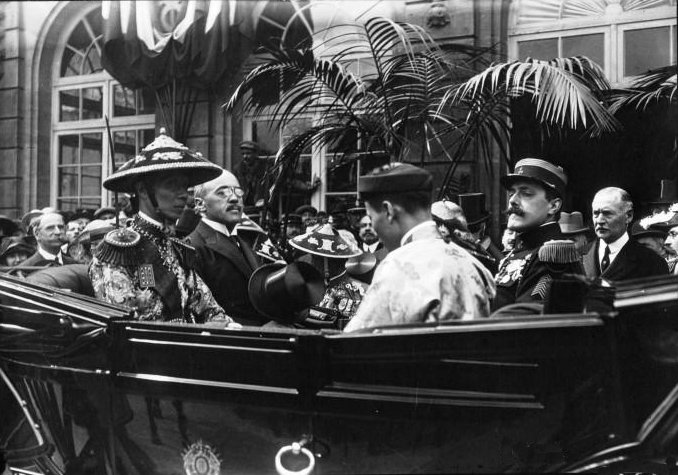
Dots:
pixel 446 210
pixel 104 210
pixel 324 241
pixel 7 226
pixel 638 231
pixel 539 171
pixel 572 223
pixel 662 220
pixel 163 155
pixel 28 218
pixel 473 205
pixel 279 291
pixel 14 244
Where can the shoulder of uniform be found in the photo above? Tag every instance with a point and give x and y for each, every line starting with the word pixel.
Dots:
pixel 119 247
pixel 558 251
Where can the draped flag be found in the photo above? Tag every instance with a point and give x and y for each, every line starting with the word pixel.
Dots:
pixel 155 43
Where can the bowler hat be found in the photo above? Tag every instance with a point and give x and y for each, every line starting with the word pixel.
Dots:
pixel 396 177
pixel 324 241
pixel 539 171
pixel 473 206
pixel 104 210
pixel 161 156
pixel 572 223
pixel 279 291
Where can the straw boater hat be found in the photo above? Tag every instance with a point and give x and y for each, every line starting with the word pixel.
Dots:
pixel 162 155
pixel 572 223
pixel 324 241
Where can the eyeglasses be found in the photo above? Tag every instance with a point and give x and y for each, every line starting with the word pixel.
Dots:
pixel 226 191
pixel 673 234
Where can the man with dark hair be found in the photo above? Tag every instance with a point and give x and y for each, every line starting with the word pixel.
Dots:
pixel 143 266
pixel 423 278
pixel 251 173
pixel 536 190
pixel 615 256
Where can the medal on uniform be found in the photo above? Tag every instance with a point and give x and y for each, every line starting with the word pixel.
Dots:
pixel 146 276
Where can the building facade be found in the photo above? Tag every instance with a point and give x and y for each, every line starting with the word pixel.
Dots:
pixel 56 98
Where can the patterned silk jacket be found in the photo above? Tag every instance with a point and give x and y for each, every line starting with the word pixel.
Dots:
pixel 522 276
pixel 159 283
pixel 425 280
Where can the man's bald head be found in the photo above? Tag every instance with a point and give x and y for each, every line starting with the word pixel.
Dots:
pixel 612 211
pixel 226 178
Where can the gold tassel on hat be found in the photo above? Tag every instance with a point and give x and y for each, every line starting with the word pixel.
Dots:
pixel 558 252
pixel 119 248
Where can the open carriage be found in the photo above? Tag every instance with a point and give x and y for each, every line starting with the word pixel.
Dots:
pixel 85 389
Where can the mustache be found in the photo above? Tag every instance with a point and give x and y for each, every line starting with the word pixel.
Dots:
pixel 514 210
pixel 234 208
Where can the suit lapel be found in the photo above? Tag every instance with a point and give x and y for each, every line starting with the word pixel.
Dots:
pixel 622 260
pixel 591 265
pixel 226 247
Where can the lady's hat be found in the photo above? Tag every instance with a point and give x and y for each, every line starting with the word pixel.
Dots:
pixel 29 218
pixel 572 223
pixel 662 220
pixel 161 156
pixel 638 231
pixel 279 291
pixel 7 226
pixel 446 210
pixel 14 244
pixel 324 241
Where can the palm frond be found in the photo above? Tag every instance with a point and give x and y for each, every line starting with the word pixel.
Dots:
pixel 564 91
pixel 655 86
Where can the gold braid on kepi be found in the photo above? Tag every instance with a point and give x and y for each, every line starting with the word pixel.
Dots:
pixel 120 248
pixel 558 251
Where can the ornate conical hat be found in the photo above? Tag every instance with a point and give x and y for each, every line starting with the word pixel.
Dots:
pixel 324 241
pixel 162 155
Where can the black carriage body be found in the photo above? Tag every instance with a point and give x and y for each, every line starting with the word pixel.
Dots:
pixel 529 394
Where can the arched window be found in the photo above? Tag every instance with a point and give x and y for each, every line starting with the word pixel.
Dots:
pixel 83 97
pixel 625 37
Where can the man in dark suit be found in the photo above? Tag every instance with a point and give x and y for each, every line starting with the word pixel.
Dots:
pixel 224 261
pixel 50 234
pixel 615 256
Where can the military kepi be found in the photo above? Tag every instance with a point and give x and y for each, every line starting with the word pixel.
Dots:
pixel 540 171
pixel 163 155
pixel 396 177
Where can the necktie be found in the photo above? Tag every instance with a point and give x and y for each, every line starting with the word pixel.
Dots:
pixel 605 263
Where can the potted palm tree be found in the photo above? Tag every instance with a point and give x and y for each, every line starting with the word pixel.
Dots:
pixel 416 97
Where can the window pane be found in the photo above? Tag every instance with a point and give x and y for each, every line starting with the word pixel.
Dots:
pixel 146 101
pixel 297 127
pixel 266 137
pixel 125 146
pixel 68 149
pixel 342 173
pixel 145 137
pixel 68 181
pixel 91 180
pixel 646 49
pixel 69 105
pixel 538 49
pixel 592 46
pixel 92 105
pixel 71 62
pixel 91 148
pixel 123 101
pixel 67 204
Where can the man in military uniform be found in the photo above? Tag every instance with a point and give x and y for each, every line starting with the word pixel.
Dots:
pixel 536 190
pixel 143 266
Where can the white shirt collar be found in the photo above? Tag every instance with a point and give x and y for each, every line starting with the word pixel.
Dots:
pixel 615 247
pixel 370 247
pixel 219 227
pixel 414 229
pixel 49 256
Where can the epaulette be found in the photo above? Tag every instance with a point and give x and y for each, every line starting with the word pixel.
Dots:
pixel 120 247
pixel 558 252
